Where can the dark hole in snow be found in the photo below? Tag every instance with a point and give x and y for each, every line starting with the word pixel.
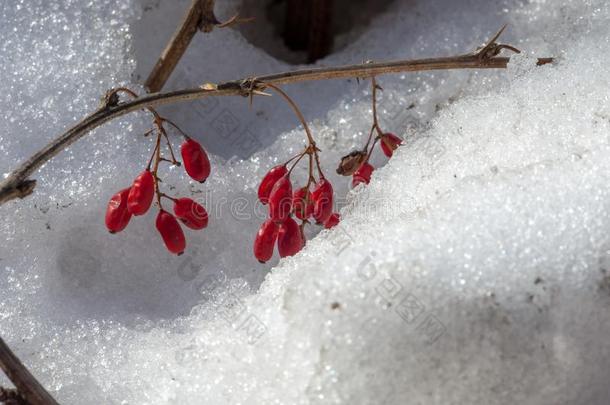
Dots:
pixel 303 31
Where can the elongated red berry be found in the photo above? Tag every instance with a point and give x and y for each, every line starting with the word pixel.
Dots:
pixel 389 143
pixel 363 174
pixel 272 176
pixel 196 162
pixel 170 231
pixel 322 201
pixel 190 213
pixel 280 199
pixel 289 240
pixel 332 221
pixel 141 193
pixel 302 203
pixel 117 215
pixel 265 240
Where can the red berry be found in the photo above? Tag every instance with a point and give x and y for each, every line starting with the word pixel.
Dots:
pixel 265 240
pixel 272 176
pixel 363 174
pixel 332 221
pixel 322 201
pixel 302 203
pixel 190 213
pixel 389 143
pixel 141 193
pixel 196 162
pixel 280 199
pixel 289 240
pixel 117 215
pixel 170 231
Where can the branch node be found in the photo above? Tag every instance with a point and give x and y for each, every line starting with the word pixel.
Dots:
pixel 235 20
pixel 13 188
pixel 110 99
pixel 491 48
pixel 25 188
pixel 208 21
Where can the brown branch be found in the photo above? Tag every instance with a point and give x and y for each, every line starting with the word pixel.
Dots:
pixel 27 385
pixel 199 16
pixel 179 43
pixel 17 184
pixel 10 396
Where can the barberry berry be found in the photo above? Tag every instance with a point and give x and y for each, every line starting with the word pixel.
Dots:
pixel 190 213
pixel 272 176
pixel 332 221
pixel 302 203
pixel 117 214
pixel 290 240
pixel 363 174
pixel 141 193
pixel 196 162
pixel 265 240
pixel 323 201
pixel 170 231
pixel 389 143
pixel 280 199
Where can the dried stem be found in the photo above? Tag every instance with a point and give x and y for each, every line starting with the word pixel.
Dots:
pixel 297 161
pixel 296 110
pixel 18 185
pixel 311 148
pixel 375 87
pixel 10 396
pixel 27 386
pixel 375 126
pixel 156 157
pixel 155 169
pixel 199 16
pixel 177 45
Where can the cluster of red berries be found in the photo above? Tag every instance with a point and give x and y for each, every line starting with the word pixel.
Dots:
pixel 313 201
pixel 276 191
pixel 357 163
pixel 137 199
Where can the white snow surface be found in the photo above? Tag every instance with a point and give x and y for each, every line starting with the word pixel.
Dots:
pixel 472 270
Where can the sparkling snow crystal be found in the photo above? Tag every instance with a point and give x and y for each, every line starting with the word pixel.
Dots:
pixel 474 269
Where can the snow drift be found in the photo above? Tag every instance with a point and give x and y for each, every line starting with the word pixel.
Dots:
pixel 473 268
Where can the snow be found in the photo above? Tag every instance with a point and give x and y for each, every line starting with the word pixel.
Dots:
pixel 473 268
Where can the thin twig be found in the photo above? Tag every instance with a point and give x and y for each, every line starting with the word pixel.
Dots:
pixel 176 47
pixel 375 87
pixel 155 170
pixel 29 388
pixel 296 110
pixel 18 185
pixel 199 16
